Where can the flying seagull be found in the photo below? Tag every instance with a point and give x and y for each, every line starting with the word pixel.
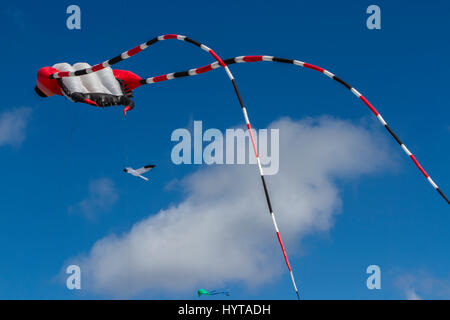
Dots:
pixel 140 171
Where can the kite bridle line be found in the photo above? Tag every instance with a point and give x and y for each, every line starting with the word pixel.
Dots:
pixel 243 59
pixel 127 54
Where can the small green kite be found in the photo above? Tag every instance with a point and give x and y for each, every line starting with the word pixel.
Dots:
pixel 201 292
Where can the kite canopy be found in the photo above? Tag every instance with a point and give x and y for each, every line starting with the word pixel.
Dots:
pixel 201 292
pixel 103 88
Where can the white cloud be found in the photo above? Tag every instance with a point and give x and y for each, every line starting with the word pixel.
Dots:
pixel 412 295
pixel 421 285
pixel 13 124
pixel 102 196
pixel 221 232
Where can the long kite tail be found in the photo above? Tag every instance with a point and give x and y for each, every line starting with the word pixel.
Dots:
pixel 242 59
pixel 145 45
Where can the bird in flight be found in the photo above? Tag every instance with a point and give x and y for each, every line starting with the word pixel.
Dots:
pixel 140 171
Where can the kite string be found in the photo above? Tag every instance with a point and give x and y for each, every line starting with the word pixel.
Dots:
pixel 143 46
pixel 243 59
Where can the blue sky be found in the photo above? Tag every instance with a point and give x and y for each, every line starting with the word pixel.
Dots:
pixel 390 218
